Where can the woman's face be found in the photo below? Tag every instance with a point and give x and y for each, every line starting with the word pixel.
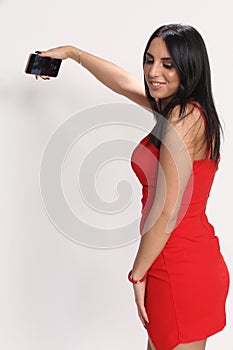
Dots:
pixel 160 74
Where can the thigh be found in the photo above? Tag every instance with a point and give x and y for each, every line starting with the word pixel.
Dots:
pixel 150 345
pixel 197 345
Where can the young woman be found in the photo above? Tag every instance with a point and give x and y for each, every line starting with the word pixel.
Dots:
pixel 179 276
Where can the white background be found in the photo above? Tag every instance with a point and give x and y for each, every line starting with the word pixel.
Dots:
pixel 57 294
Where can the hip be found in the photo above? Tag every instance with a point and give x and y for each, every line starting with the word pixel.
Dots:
pixel 186 257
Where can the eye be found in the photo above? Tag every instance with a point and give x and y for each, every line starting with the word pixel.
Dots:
pixel 149 61
pixel 168 65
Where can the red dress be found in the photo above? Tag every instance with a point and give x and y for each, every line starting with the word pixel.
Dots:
pixel 188 282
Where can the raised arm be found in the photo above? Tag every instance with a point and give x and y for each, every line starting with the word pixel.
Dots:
pixel 108 73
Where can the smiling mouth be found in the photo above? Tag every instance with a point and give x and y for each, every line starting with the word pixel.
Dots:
pixel 156 85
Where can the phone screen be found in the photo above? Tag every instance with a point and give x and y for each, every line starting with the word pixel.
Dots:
pixel 38 65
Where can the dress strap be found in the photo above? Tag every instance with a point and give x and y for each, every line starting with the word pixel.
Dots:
pixel 199 108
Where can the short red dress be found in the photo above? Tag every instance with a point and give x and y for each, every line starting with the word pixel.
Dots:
pixel 188 282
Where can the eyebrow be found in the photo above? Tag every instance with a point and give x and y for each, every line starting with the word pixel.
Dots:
pixel 163 58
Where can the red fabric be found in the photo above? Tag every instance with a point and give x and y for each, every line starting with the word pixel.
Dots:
pixel 136 282
pixel 187 285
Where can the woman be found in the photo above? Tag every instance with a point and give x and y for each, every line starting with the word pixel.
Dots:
pixel 179 276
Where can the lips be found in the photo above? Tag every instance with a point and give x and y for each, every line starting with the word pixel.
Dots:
pixel 156 84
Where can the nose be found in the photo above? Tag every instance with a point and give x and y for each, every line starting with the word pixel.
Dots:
pixel 155 70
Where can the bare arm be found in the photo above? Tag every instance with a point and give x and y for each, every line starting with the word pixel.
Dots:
pixel 108 73
pixel 178 150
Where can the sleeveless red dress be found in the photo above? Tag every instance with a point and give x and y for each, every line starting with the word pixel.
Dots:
pixel 188 282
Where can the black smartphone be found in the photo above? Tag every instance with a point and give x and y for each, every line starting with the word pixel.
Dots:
pixel 38 65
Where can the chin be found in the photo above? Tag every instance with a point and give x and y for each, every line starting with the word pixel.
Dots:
pixel 165 98
pixel 157 96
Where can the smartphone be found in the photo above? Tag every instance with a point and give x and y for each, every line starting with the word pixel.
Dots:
pixel 38 65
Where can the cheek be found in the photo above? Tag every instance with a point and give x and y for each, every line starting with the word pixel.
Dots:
pixel 145 70
pixel 174 78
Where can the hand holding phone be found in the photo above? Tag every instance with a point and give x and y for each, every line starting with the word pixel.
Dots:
pixel 43 66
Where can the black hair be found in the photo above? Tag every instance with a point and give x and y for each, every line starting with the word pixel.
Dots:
pixel 188 52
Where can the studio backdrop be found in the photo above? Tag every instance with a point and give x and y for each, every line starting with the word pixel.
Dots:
pixel 70 202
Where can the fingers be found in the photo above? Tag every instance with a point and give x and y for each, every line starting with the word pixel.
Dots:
pixel 57 52
pixel 139 292
pixel 143 315
pixel 60 52
pixel 44 54
pixel 44 77
pixel 142 319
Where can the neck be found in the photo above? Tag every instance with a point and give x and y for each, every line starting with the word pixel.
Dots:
pixel 162 103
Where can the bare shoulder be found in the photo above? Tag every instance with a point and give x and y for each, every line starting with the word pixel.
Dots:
pixel 190 127
pixel 191 114
pixel 191 123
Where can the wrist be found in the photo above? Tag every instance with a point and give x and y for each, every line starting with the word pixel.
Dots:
pixel 135 279
pixel 73 53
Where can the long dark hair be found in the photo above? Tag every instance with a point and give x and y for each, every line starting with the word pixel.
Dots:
pixel 190 59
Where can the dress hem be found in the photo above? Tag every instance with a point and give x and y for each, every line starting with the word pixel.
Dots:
pixel 185 340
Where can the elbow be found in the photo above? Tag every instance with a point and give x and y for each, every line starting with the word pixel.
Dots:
pixel 170 220
pixel 165 222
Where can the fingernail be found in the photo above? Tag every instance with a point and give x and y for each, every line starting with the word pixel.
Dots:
pixel 37 51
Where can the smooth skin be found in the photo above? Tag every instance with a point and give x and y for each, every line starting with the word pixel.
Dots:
pixel 108 73
pixel 163 82
pixel 161 76
pixel 197 345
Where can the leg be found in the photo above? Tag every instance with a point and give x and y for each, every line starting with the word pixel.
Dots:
pixel 197 345
pixel 150 346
